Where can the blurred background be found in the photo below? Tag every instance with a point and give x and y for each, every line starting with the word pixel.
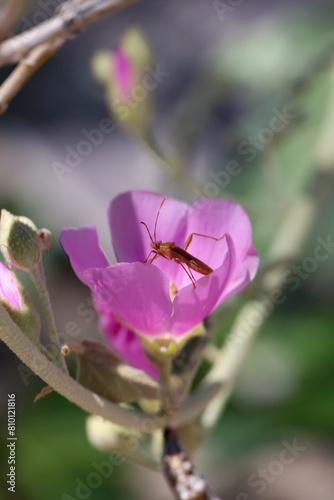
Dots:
pixel 230 70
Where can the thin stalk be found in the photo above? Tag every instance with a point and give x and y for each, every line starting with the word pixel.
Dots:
pixel 165 373
pixel 38 277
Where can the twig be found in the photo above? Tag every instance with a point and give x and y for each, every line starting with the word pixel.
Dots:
pixel 25 70
pixel 37 275
pixel 195 404
pixel 72 18
pixel 39 44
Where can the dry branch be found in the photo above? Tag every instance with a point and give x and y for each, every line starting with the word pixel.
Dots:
pixel 34 47
pixel 72 18
pixel 25 70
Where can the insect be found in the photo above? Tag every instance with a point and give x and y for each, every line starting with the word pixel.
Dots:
pixel 170 251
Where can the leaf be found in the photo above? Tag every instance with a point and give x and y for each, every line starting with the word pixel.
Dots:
pixel 104 373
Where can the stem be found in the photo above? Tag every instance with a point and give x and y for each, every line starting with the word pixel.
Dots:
pixel 64 384
pixel 165 373
pixel 195 404
pixel 25 70
pixel 38 277
pixel 172 165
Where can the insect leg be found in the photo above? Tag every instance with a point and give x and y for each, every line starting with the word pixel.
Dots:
pixel 157 254
pixel 190 238
pixel 188 271
pixel 160 254
pixel 147 258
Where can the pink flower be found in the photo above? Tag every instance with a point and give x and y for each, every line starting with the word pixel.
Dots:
pixel 132 297
pixel 8 288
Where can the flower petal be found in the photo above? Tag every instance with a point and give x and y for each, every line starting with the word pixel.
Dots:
pixel 216 218
pixel 192 305
pixel 130 238
pixel 82 247
pixel 244 274
pixel 123 74
pixel 137 293
pixel 125 343
pixel 8 288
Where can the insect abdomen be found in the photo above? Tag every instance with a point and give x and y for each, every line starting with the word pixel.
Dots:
pixel 191 261
pixel 199 266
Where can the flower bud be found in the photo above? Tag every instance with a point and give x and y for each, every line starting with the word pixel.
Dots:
pixel 123 73
pixel 22 244
pixel 107 436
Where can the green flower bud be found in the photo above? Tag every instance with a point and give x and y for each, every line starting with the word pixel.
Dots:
pixel 22 244
pixel 107 436
pixel 125 75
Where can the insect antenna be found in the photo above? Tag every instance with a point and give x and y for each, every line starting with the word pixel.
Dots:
pixel 144 224
pixel 156 220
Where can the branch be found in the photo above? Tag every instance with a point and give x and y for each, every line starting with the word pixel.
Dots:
pixel 73 17
pixel 36 46
pixel 25 70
